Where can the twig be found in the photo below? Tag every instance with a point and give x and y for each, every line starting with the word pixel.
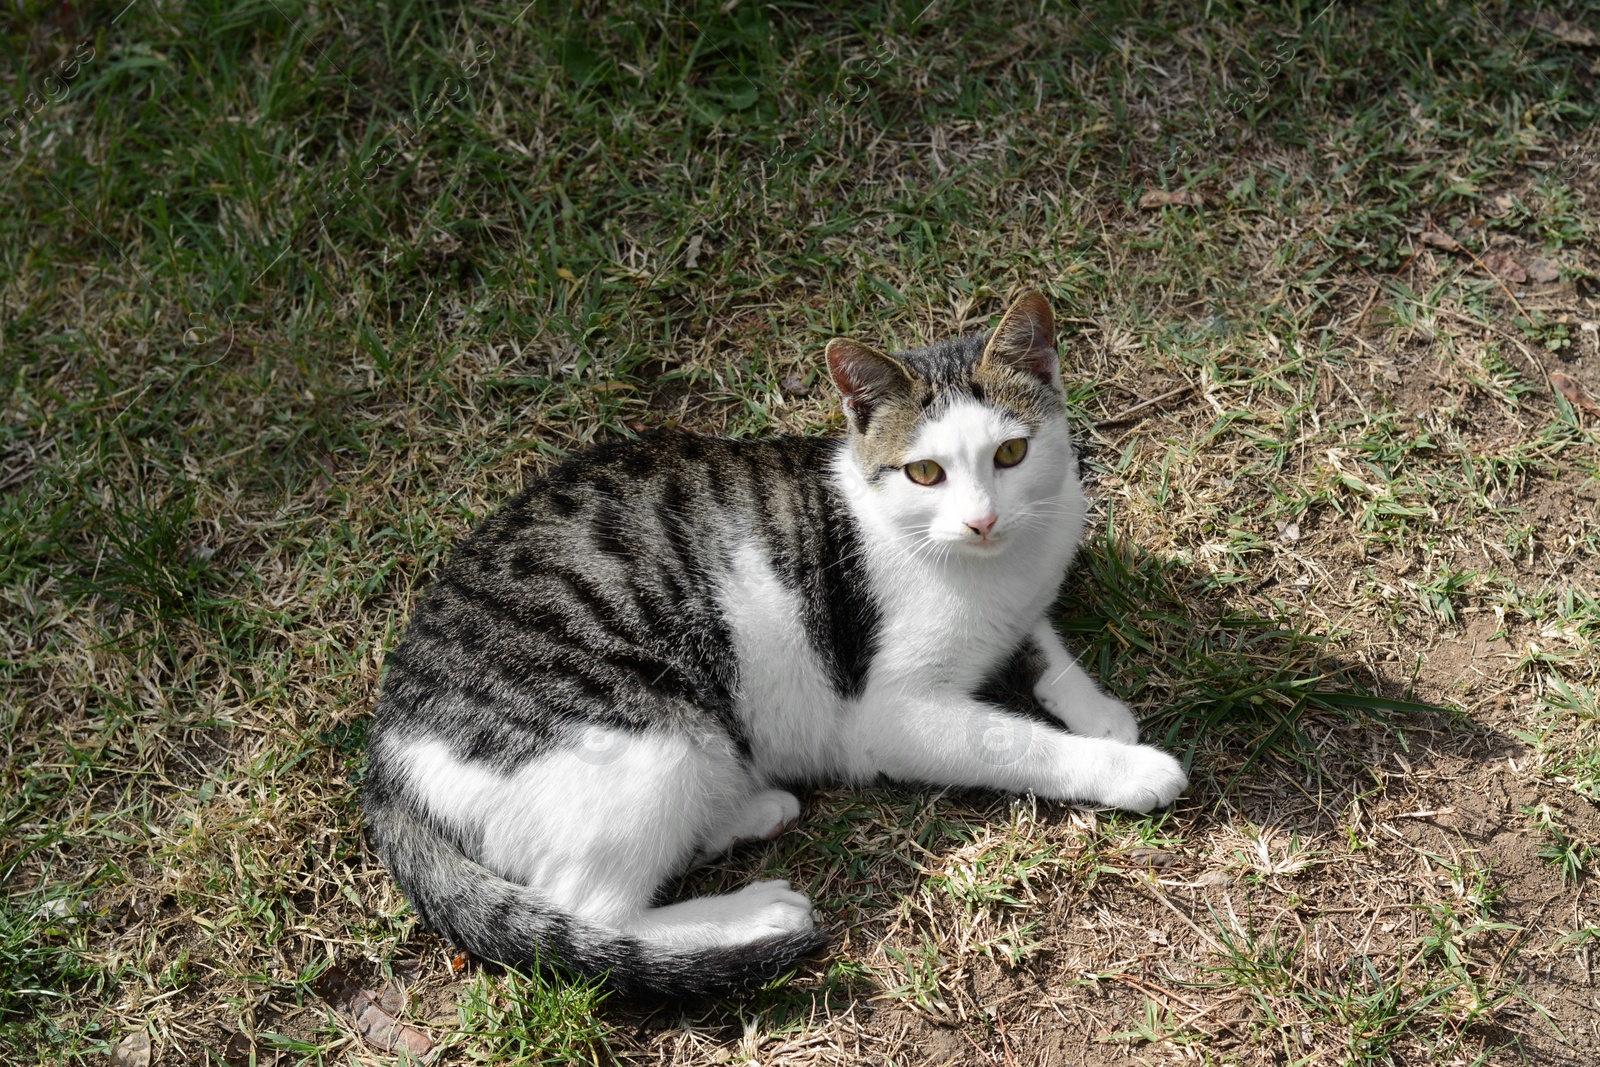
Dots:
pixel 1456 246
pixel 1150 987
pixel 1130 412
pixel 1492 328
pixel 979 1047
pixel 1170 906
pixel 1500 282
pixel 1191 1020
pixel 1000 1024
pixel 1372 296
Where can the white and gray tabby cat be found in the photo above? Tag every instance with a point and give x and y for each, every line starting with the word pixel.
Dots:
pixel 626 668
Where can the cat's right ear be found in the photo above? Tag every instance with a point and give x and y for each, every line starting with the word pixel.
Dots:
pixel 865 377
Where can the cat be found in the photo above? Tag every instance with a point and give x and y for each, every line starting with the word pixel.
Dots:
pixel 627 666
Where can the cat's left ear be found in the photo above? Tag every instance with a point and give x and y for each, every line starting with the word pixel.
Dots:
pixel 1026 340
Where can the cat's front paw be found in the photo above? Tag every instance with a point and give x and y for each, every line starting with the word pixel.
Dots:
pixel 1092 714
pixel 1146 779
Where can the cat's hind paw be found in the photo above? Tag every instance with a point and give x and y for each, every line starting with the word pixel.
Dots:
pixel 766 815
pixel 768 908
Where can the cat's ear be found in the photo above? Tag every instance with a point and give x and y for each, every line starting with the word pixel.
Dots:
pixel 1026 340
pixel 865 377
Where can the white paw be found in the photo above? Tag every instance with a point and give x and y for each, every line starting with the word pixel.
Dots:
pixel 1092 714
pixel 773 908
pixel 763 817
pixel 772 812
pixel 1148 778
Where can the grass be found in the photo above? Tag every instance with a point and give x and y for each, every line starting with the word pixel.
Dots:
pixel 290 295
pixel 1572 857
pixel 529 1019
pixel 41 951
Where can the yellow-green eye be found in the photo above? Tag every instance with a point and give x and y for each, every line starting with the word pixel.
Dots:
pixel 925 472
pixel 1011 452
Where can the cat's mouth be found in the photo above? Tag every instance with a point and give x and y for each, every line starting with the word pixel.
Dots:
pixel 987 543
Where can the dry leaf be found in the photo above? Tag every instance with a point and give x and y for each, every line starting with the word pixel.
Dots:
pixel 392 998
pixel 132 1051
pixel 458 962
pixel 1163 198
pixel 1441 240
pixel 1569 388
pixel 1289 531
pixel 337 987
pixel 238 1050
pixel 1566 32
pixel 1542 270
pixel 1502 264
pixel 566 275
pixel 795 385
pixel 381 1029
pixel 691 258
pixel 1150 857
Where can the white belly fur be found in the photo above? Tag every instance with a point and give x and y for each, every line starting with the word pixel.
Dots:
pixel 785 698
pixel 570 822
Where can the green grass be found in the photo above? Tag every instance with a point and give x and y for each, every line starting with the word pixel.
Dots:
pixel 290 295
pixel 1570 856
pixel 41 946
pixel 529 1019
pixel 1569 739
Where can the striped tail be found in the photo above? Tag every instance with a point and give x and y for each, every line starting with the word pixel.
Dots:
pixel 507 923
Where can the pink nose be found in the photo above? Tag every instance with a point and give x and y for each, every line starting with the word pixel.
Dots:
pixel 982 524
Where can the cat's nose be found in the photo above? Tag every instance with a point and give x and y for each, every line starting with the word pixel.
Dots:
pixel 982 524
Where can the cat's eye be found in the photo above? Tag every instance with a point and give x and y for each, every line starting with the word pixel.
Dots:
pixel 925 472
pixel 1011 452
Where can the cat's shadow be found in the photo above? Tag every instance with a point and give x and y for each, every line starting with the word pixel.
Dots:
pixel 1244 697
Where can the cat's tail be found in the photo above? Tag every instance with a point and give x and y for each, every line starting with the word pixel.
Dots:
pixel 512 924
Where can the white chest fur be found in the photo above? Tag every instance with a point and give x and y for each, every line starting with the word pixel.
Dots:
pixel 950 625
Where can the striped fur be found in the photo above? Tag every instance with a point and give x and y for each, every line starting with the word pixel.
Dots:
pixel 623 670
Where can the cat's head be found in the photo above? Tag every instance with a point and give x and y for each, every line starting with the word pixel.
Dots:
pixel 964 442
